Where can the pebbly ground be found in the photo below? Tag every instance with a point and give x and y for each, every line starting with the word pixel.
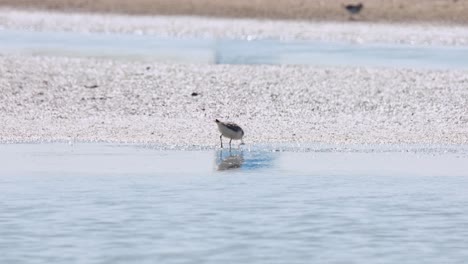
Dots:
pixel 82 99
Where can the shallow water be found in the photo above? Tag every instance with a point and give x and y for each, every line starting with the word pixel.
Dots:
pixel 99 203
pixel 231 51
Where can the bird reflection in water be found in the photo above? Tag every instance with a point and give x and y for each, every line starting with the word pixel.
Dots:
pixel 230 160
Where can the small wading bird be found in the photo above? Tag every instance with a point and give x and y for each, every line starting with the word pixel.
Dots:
pixel 353 9
pixel 231 131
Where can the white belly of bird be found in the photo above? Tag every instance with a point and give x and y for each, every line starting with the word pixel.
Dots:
pixel 226 132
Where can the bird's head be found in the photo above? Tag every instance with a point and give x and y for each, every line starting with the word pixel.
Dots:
pixel 217 121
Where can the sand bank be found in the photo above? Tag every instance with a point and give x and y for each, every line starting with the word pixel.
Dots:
pixel 318 10
pixel 46 98
pixel 202 27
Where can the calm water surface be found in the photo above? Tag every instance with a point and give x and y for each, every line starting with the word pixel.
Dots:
pixel 97 203
pixel 231 51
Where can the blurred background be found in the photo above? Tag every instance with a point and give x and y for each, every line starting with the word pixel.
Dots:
pixel 372 10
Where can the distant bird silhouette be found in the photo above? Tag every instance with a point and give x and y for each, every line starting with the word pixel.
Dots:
pixel 353 9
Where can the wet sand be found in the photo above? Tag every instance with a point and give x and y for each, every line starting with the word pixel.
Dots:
pixel 320 10
pixel 62 99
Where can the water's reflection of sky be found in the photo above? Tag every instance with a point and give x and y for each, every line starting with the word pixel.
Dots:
pixel 100 203
pixel 229 51
pixel 134 160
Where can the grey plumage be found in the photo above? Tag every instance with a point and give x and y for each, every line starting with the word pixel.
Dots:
pixel 234 127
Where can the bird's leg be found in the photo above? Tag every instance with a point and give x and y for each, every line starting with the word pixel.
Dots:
pixel 221 138
pixel 230 144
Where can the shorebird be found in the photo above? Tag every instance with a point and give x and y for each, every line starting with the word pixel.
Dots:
pixel 353 9
pixel 231 131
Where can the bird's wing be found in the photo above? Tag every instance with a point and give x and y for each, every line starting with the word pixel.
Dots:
pixel 234 127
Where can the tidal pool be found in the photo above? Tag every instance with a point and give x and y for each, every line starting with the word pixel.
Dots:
pixel 101 203
pixel 231 51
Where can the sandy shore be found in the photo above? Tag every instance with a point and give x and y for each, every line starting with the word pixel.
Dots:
pixel 45 98
pixel 202 27
pixel 319 10
pixel 63 99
